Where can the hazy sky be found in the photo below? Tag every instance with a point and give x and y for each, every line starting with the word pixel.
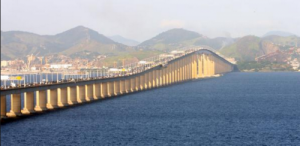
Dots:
pixel 143 19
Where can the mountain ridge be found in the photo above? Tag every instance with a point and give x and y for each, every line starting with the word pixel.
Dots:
pixel 18 44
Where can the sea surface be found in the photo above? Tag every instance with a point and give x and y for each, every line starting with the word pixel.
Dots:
pixel 236 109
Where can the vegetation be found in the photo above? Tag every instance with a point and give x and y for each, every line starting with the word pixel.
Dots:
pixel 130 57
pixel 263 66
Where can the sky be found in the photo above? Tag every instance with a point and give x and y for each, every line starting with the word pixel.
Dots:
pixel 143 19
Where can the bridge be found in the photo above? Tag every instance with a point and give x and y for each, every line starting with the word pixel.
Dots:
pixel 192 64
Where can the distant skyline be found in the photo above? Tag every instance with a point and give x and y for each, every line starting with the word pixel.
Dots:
pixel 142 20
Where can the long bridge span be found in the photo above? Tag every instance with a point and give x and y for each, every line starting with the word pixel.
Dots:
pixel 194 64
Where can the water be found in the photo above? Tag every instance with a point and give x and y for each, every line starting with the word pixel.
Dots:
pixel 39 77
pixel 236 109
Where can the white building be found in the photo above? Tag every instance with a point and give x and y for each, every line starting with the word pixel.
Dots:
pixel 60 66
pixel 4 63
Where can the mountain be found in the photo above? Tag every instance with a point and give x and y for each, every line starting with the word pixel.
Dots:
pixel 124 41
pixel 249 47
pixel 215 43
pixel 245 48
pixel 76 41
pixel 18 44
pixel 278 33
pixel 283 41
pixel 179 38
pixel 171 39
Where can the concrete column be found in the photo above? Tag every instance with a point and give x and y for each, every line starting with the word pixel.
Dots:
pixel 116 88
pixel 145 81
pixel 160 77
pixel 80 94
pixel 62 95
pixel 150 80
pixel 153 79
pixel 88 92
pixel 184 70
pixel 51 98
pixel 110 89
pixel 137 83
pixel 167 75
pixel 96 91
pixel 122 87
pixel 132 84
pixel 15 107
pixel 207 66
pixel 204 65
pixel 40 101
pixel 180 70
pixel 127 86
pixel 71 95
pixel 104 90
pixel 200 66
pixel 157 78
pixel 28 103
pixel 142 82
pixel 163 76
pixel 189 68
pixel 177 72
pixel 172 73
pixel 3 106
pixel 213 65
pixel 195 66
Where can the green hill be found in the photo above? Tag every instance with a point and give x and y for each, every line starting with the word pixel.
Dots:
pixel 245 48
pixel 249 47
pixel 180 38
pixel 16 44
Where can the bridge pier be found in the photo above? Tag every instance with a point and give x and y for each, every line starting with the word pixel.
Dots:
pixel 103 91
pixel 28 103
pixel 3 106
pixel 145 81
pixel 156 72
pixel 127 86
pixel 80 94
pixel 62 98
pixel 142 82
pixel 132 84
pixel 153 79
pixel 149 74
pixel 52 98
pixel 116 88
pixel 137 83
pixel 40 101
pixel 110 89
pixel 96 91
pixel 71 95
pixel 88 92
pixel 163 76
pixel 160 77
pixel 167 72
pixel 15 106
pixel 122 87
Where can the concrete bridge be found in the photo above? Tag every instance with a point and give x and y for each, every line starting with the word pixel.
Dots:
pixel 194 64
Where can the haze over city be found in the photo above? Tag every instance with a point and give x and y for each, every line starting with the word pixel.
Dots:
pixel 141 20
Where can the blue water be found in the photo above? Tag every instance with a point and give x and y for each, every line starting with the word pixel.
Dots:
pixel 236 109
pixel 39 77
